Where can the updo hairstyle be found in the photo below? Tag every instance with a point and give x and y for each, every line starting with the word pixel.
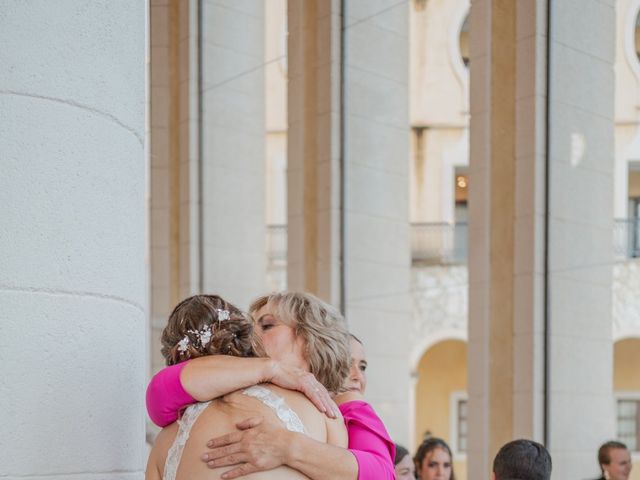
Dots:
pixel 208 325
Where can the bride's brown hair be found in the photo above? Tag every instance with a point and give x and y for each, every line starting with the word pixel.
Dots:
pixel 208 325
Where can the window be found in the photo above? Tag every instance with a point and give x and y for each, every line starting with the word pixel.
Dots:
pixel 628 420
pixel 458 413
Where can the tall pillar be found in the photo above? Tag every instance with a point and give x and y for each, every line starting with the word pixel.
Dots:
pixel 348 183
pixel 233 150
pixel 72 274
pixel 314 136
pixel 530 238
pixel 378 255
pixel 174 162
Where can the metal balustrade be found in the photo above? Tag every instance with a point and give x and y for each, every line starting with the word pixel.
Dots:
pixel 439 242
pixel 276 244
pixel 626 238
pixel 442 243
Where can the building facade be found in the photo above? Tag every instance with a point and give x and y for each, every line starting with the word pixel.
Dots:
pixel 369 165
pixel 462 179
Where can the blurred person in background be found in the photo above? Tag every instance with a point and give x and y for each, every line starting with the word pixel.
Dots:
pixel 434 461
pixel 523 460
pixel 615 461
pixel 404 464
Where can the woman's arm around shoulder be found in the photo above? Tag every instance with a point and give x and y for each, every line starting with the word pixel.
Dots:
pixel 175 387
pixel 205 378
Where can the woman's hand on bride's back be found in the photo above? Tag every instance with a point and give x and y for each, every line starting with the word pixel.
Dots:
pixel 294 378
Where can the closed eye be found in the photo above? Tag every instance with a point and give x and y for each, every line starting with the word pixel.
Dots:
pixel 266 322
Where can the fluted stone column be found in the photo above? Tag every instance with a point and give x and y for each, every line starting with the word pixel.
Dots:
pixel 233 150
pixel 348 238
pixel 510 253
pixel 72 239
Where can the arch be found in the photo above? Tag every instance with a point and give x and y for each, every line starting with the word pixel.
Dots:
pixel 426 343
pixel 626 333
pixel 439 382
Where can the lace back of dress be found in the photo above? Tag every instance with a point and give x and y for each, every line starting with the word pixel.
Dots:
pixel 185 423
pixel 284 412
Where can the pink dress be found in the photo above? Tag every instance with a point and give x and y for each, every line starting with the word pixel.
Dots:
pixel 369 441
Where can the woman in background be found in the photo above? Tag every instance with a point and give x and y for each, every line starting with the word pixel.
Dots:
pixel 405 469
pixel 433 460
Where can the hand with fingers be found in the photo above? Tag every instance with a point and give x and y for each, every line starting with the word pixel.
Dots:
pixel 257 447
pixel 294 378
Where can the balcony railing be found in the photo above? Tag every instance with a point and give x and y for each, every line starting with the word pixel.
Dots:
pixel 442 243
pixel 626 238
pixel 276 244
pixel 439 242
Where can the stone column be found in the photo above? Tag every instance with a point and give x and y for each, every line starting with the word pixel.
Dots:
pixel 73 283
pixel 508 389
pixel 378 256
pixel 348 196
pixel 314 136
pixel 233 150
pixel 174 162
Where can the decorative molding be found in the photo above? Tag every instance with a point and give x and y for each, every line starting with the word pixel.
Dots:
pixel 629 33
pixel 440 299
pixel 455 57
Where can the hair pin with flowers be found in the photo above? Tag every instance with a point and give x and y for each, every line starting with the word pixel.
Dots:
pixel 204 335
pixel 223 315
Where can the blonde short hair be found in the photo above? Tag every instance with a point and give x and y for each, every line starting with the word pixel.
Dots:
pixel 323 329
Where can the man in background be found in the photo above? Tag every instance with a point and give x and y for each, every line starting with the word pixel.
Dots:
pixel 522 460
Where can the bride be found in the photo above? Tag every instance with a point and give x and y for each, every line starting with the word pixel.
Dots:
pixel 208 325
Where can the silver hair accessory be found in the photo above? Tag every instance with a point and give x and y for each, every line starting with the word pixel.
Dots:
pixel 183 345
pixel 222 315
pixel 203 336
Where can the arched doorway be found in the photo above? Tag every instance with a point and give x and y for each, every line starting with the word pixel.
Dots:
pixel 441 398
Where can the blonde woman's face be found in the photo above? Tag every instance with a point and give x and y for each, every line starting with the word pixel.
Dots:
pixel 436 465
pixel 405 469
pixel 279 339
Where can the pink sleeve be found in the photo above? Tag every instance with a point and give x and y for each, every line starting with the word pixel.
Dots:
pixel 369 441
pixel 166 396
